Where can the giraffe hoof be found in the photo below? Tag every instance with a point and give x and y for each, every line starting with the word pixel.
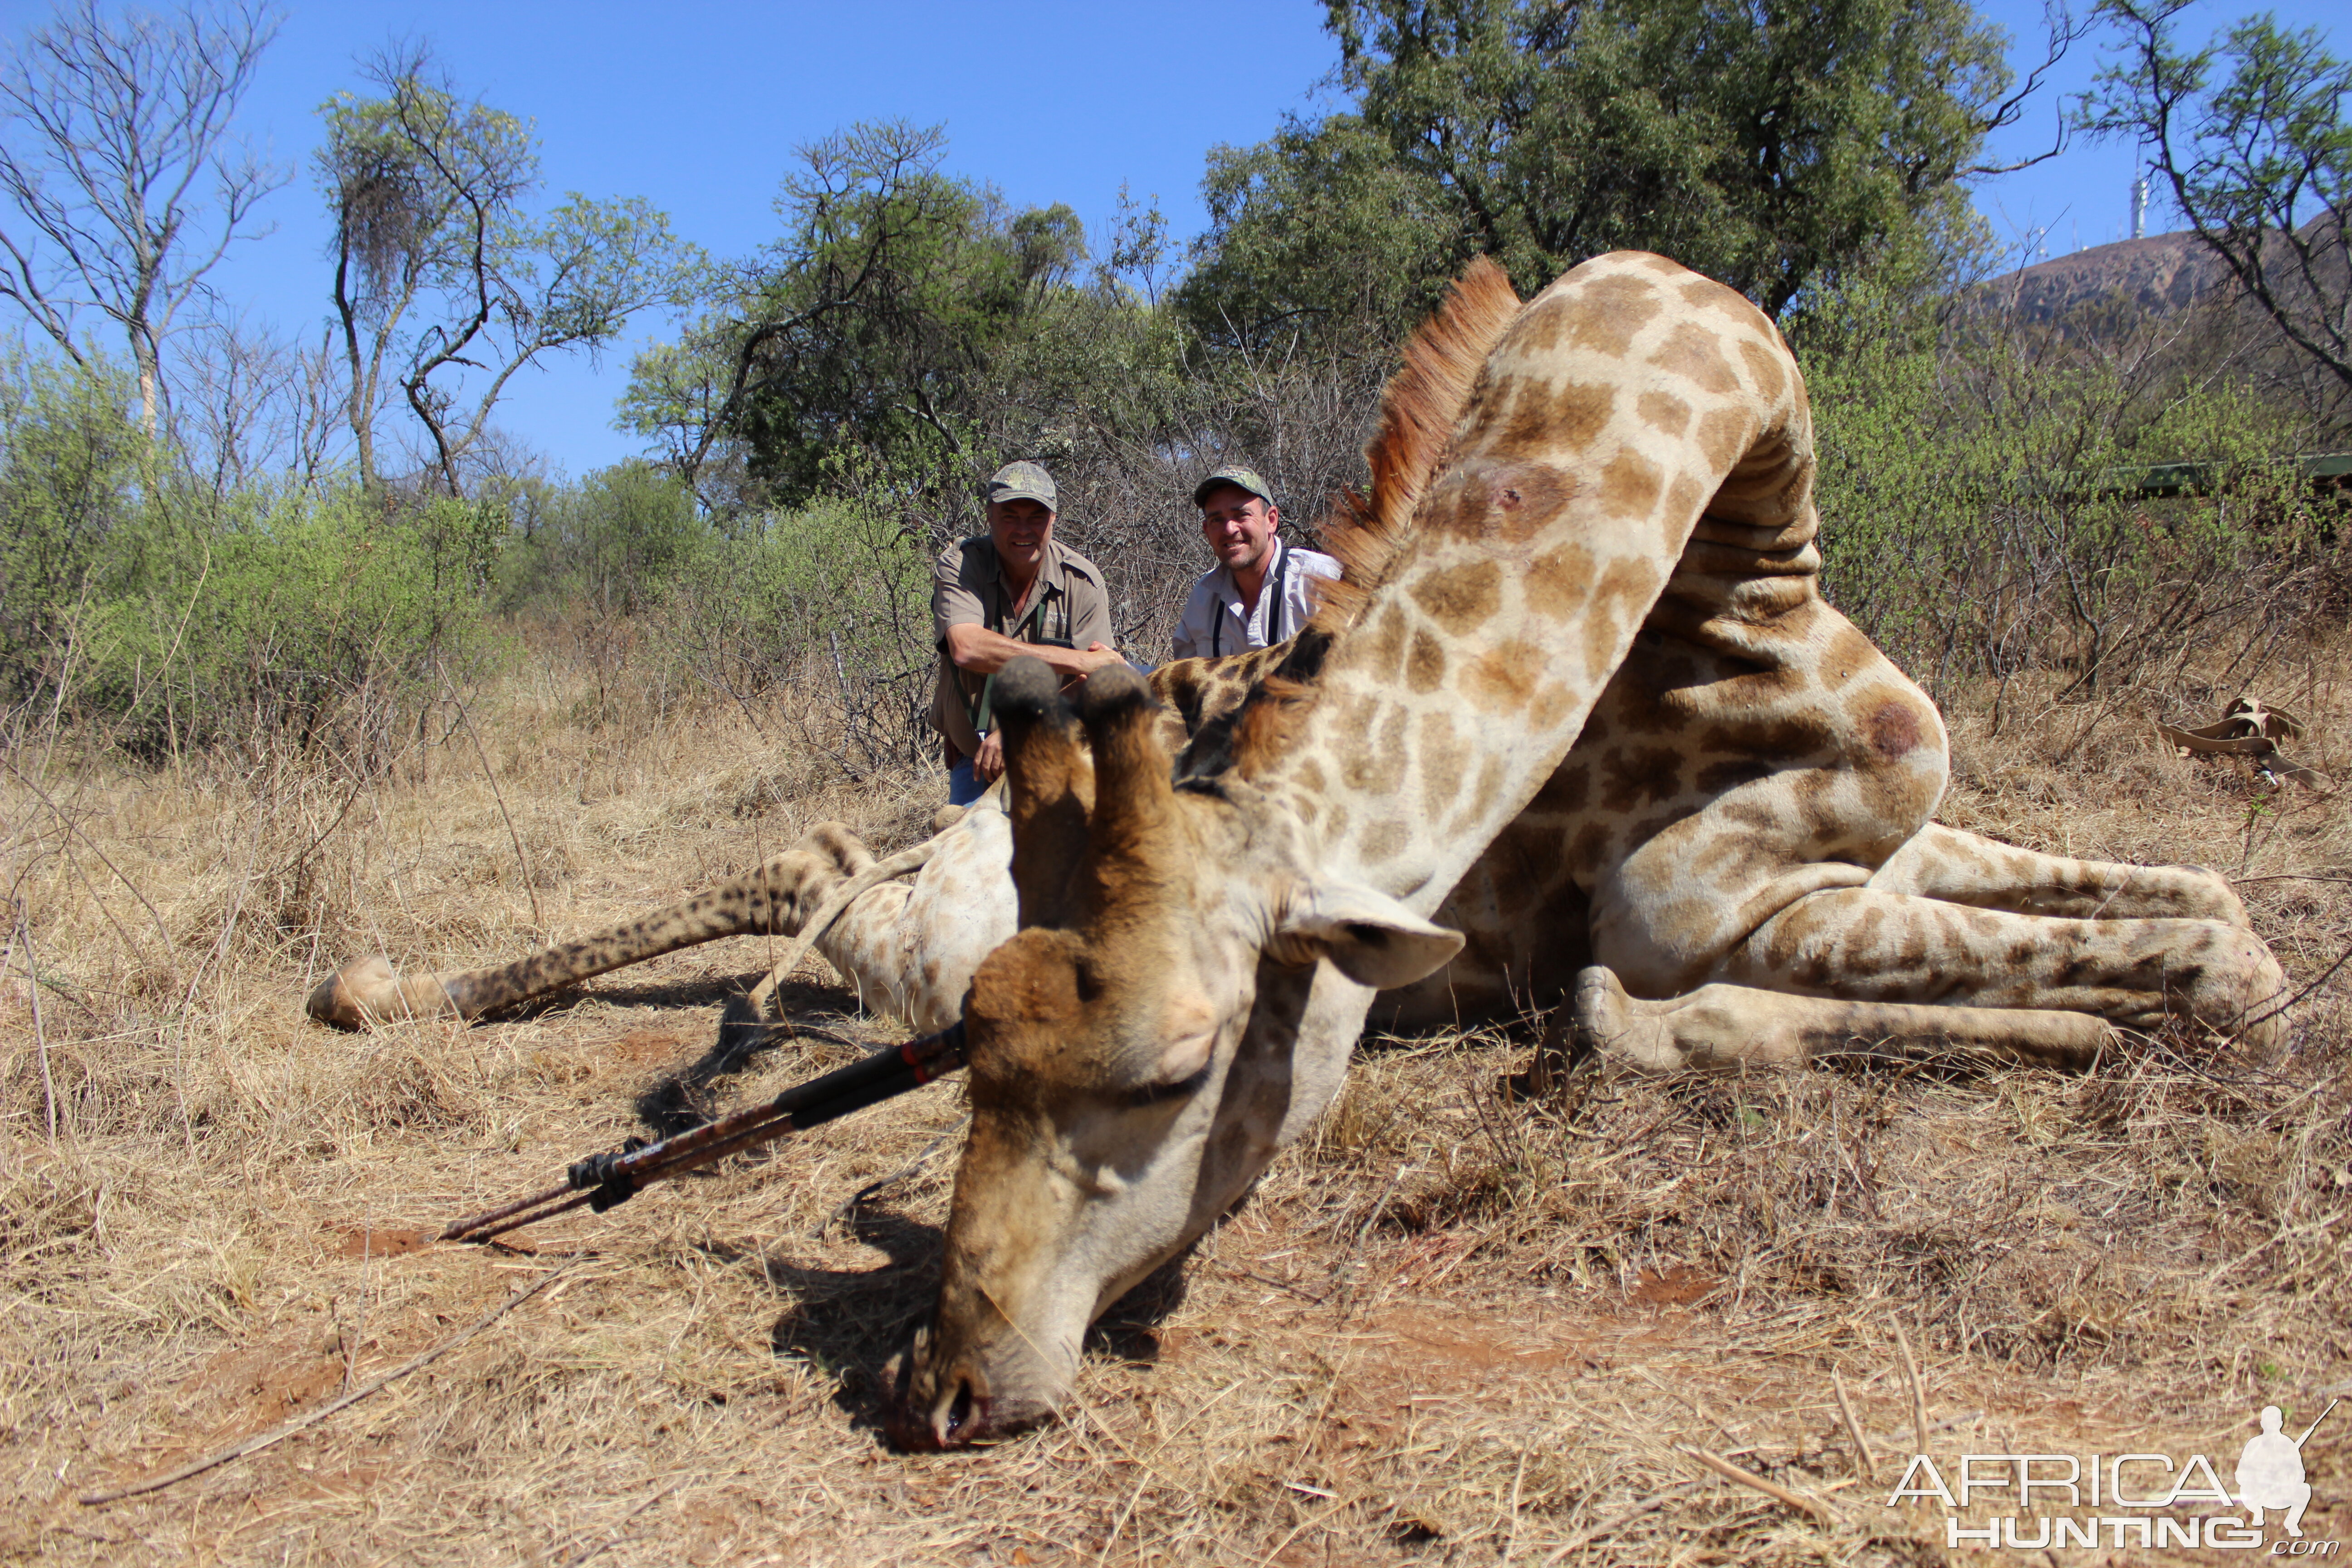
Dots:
pixel 1598 1014
pixel 341 1000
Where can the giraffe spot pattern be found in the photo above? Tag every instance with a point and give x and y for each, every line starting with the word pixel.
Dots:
pixel 1664 412
pixel 1504 678
pixel 1424 669
pixel 1461 598
pixel 1894 729
pixel 1619 600
pixel 1507 503
pixel 1559 582
pixel 1763 370
pixel 1723 437
pixel 1442 756
pixel 1640 775
pixel 1696 355
pixel 1629 484
pixel 1546 420
pixel 1604 316
pixel 1384 841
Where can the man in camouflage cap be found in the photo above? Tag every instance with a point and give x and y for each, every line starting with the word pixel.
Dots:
pixel 1012 591
pixel 1258 594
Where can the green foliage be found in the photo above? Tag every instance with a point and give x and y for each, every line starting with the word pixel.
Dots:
pixel 132 598
pixel 1981 514
pixel 615 541
pixel 1319 233
pixel 71 464
pixel 307 618
pixel 2250 138
pixel 445 285
pixel 871 321
pixel 831 597
pixel 1781 147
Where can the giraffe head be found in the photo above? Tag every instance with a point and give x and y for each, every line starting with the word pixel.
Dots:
pixel 1129 1077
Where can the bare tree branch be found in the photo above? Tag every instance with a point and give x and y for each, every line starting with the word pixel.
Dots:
pixel 126 186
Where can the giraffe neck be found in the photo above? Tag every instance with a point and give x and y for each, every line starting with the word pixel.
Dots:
pixel 1626 401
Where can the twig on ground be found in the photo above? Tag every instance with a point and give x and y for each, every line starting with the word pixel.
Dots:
pixel 1511 1543
pixel 254 1445
pixel 1919 1390
pixel 40 1034
pixel 1866 1459
pixel 1753 1482
pixel 529 882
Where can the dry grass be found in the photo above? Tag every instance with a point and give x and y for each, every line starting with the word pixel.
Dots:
pixel 1450 1329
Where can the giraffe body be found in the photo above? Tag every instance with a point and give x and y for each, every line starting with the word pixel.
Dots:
pixel 1591 634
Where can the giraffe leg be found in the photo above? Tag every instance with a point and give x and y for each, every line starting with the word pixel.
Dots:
pixel 1960 867
pixel 1873 946
pixel 771 898
pixel 1732 1028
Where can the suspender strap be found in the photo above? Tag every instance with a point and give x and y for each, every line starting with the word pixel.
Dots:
pixel 1273 611
pixel 984 707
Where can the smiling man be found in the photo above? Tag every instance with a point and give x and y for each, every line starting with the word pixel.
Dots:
pixel 1257 594
pixel 1010 592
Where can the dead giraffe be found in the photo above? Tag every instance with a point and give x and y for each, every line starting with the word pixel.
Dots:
pixel 909 949
pixel 1594 529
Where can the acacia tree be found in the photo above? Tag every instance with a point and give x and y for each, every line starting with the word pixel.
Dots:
pixel 867 328
pixel 444 287
pixel 118 162
pixel 2250 138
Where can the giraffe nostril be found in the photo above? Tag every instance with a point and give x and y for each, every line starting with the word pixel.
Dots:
pixel 960 1411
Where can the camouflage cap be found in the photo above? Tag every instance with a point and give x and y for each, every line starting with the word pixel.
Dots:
pixel 1238 475
pixel 1023 481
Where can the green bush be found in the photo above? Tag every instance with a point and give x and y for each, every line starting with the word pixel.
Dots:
pixel 305 617
pixel 1982 514
pixel 71 465
pixel 832 595
pixel 170 615
pixel 614 541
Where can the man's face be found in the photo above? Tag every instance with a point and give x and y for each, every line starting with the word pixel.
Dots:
pixel 1020 530
pixel 1239 527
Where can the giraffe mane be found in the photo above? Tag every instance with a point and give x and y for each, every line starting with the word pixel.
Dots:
pixel 1419 410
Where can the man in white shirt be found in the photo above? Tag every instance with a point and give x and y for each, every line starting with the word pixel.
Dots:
pixel 1258 595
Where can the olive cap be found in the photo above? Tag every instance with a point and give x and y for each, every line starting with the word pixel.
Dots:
pixel 1023 481
pixel 1238 475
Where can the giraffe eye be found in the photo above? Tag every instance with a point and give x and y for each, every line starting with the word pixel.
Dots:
pixel 1153 1094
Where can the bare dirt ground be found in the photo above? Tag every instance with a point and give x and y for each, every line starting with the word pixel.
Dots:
pixel 1450 1329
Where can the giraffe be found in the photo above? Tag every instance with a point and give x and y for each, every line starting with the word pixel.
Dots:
pixel 1581 620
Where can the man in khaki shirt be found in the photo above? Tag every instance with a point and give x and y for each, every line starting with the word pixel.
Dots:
pixel 1013 591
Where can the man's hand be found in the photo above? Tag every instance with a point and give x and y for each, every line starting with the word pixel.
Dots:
pixel 1098 656
pixel 984 652
pixel 990 760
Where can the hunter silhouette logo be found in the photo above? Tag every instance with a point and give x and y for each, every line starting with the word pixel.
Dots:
pixel 2132 1499
pixel 2269 1472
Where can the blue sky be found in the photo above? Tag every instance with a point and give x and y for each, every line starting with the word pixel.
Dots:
pixel 698 106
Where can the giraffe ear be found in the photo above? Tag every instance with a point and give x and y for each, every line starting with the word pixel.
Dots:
pixel 1368 936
